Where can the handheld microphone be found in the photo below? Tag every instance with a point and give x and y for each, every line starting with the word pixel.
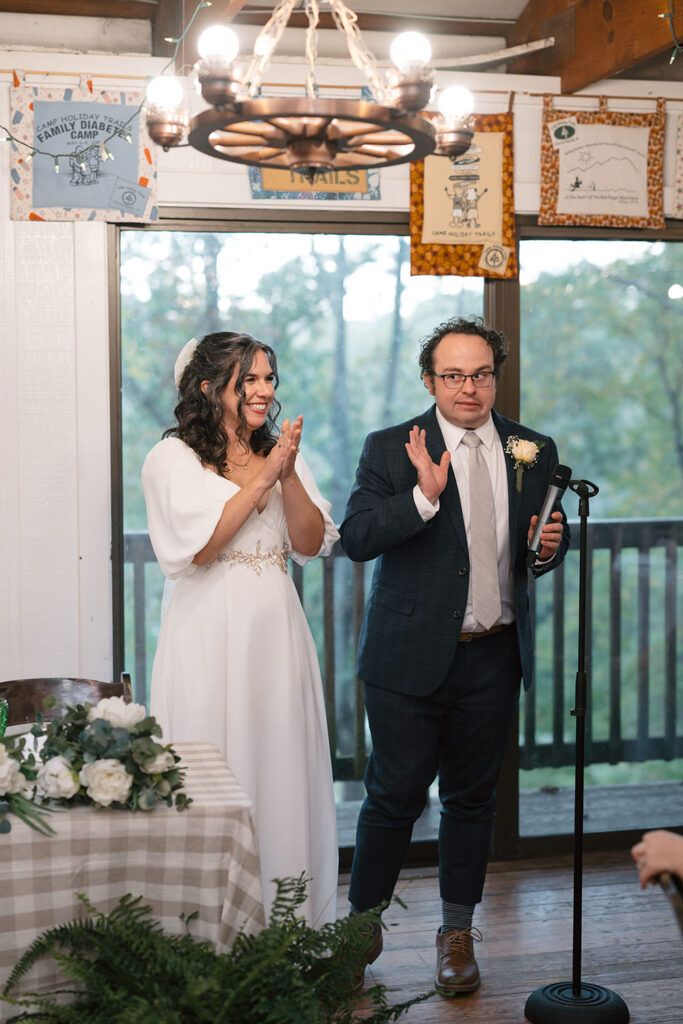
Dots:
pixel 559 479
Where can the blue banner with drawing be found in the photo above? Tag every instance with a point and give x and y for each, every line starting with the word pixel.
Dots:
pixel 81 154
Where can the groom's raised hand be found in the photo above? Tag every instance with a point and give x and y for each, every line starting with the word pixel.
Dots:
pixel 431 477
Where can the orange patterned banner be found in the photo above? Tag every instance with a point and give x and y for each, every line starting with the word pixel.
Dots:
pixel 462 217
pixel 602 168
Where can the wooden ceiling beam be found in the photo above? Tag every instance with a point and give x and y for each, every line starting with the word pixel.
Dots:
pixel 594 39
pixel 168 24
pixel 392 23
pixel 144 10
pixel 223 11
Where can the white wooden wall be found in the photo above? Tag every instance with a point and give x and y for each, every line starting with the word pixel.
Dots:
pixel 55 529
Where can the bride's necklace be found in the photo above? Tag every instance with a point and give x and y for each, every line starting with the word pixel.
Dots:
pixel 231 466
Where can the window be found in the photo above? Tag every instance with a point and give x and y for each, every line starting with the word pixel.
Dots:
pixel 344 317
pixel 601 372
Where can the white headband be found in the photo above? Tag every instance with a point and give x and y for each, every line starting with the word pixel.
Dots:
pixel 184 359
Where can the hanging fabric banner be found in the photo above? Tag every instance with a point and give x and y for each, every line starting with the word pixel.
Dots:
pixel 602 168
pixel 678 185
pixel 462 218
pixel 86 155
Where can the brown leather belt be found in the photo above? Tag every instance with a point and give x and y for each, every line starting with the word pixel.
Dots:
pixel 466 638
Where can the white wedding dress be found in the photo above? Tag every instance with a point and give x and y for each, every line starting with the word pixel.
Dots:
pixel 236 665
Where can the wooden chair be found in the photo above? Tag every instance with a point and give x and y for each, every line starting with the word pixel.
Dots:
pixel 26 696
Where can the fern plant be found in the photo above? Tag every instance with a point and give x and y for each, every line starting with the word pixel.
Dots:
pixel 122 968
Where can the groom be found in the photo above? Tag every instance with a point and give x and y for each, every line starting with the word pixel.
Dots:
pixel 446 636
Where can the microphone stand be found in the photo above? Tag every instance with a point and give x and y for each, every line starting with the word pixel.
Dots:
pixel 578 1002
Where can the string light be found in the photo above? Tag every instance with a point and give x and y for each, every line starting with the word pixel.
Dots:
pixel 670 18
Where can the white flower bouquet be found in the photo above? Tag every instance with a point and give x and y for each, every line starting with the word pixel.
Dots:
pixel 18 773
pixel 108 755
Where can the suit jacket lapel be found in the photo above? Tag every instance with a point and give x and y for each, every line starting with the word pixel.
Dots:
pixel 450 498
pixel 513 493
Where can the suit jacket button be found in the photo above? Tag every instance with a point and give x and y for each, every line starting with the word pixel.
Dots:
pixel 463 571
pixel 457 614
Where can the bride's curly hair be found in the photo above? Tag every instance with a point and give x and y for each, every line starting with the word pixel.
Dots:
pixel 200 415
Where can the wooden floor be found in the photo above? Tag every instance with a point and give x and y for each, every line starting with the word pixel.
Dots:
pixel 631 942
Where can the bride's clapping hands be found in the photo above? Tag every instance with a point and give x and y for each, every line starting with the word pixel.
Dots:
pixel 290 439
pixel 279 464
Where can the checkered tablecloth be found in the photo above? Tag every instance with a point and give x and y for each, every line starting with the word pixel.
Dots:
pixel 204 859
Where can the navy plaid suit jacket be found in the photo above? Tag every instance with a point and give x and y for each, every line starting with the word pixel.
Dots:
pixel 414 612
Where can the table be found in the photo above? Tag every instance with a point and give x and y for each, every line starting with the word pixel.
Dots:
pixel 204 858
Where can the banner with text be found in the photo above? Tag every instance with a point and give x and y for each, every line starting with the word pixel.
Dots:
pixel 461 208
pixel 274 183
pixel 602 168
pixel 86 155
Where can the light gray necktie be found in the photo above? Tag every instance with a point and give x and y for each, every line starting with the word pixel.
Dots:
pixel 483 549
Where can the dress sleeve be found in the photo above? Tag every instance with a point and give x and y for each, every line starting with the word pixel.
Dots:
pixel 182 513
pixel 331 534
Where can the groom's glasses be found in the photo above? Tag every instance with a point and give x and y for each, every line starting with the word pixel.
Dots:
pixel 454 381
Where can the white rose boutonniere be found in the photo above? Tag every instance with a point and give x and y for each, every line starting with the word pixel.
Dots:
pixel 524 453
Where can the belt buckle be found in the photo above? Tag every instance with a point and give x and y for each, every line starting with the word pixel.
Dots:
pixel 467 638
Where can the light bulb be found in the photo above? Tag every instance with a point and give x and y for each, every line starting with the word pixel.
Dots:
pixel 218 41
pixel 455 101
pixel 165 91
pixel 410 50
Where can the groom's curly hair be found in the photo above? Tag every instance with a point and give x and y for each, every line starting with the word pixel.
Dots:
pixel 463 325
pixel 200 415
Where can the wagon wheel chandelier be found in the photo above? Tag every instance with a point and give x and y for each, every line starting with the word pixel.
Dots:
pixel 309 134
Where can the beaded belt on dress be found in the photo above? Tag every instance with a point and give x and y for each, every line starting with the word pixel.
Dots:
pixel 255 560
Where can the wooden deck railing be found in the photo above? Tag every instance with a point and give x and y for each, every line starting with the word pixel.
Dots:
pixel 632 646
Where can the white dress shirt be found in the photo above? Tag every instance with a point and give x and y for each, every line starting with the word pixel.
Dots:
pixel 494 457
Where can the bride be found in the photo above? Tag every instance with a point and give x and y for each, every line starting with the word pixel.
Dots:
pixel 228 501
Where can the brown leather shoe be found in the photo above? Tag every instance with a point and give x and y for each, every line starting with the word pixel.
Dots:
pixel 375 946
pixel 456 968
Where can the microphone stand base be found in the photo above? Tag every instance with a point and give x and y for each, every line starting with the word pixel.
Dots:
pixel 558 1004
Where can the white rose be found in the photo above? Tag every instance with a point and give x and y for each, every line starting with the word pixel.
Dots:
pixel 106 780
pixel 5 769
pixel 56 778
pixel 118 713
pixel 11 778
pixel 524 451
pixel 161 763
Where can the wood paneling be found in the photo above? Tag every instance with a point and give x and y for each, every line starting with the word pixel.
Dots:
pixel 594 39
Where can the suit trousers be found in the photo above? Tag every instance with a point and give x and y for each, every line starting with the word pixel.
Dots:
pixel 460 732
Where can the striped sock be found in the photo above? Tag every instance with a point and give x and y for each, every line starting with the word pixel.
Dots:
pixel 455 915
